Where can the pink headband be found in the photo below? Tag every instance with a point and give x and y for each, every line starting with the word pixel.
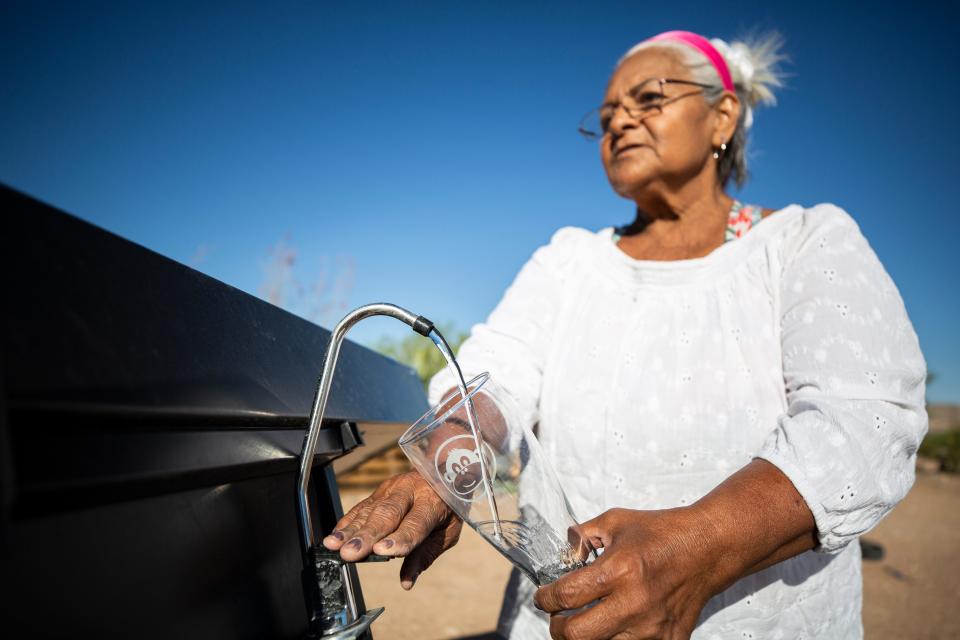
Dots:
pixel 702 45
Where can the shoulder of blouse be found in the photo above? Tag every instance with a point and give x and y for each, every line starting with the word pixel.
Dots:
pixel 814 223
pixel 827 213
pixel 570 239
pixel 564 247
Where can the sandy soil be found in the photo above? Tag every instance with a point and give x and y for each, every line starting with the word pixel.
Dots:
pixel 913 593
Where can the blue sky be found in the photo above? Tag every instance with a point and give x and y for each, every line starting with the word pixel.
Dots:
pixel 419 152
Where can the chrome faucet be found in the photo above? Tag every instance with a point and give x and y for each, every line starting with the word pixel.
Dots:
pixel 328 590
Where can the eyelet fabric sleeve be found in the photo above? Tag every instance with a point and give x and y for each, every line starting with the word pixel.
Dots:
pixel 854 380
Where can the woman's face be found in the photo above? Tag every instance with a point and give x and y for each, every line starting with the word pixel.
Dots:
pixel 669 145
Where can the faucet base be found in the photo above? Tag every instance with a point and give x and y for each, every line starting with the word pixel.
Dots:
pixel 351 632
pixel 331 604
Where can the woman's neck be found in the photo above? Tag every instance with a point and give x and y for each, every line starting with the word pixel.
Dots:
pixel 677 226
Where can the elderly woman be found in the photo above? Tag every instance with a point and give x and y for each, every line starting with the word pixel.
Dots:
pixel 732 394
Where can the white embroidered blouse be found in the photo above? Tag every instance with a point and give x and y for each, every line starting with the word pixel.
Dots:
pixel 653 381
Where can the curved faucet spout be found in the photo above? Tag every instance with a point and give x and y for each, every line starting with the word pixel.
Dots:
pixel 418 323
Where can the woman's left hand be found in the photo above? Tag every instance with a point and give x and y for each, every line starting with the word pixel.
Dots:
pixel 656 573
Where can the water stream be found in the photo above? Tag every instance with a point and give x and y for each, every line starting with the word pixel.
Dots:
pixel 477 436
pixel 536 551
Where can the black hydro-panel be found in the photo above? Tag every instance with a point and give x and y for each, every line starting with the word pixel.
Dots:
pixel 210 562
pixel 150 423
pixel 100 323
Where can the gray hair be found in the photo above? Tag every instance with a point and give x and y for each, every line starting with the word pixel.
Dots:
pixel 753 63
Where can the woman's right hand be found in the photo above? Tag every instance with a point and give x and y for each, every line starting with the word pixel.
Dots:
pixel 404 517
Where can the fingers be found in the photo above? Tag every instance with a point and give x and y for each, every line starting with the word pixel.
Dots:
pixel 598 530
pixel 578 588
pixel 423 556
pixel 393 521
pixel 426 515
pixel 382 517
pixel 404 517
pixel 603 620
pixel 359 512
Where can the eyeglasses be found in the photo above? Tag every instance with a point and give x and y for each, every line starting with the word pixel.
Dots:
pixel 640 102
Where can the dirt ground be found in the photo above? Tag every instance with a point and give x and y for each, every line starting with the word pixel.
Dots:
pixel 912 593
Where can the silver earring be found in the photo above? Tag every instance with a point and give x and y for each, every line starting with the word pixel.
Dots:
pixel 723 147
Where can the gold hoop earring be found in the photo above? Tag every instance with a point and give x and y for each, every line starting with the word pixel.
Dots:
pixel 716 154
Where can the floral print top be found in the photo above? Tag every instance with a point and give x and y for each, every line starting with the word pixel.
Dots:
pixel 742 218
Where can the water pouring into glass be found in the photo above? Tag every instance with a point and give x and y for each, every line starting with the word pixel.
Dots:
pixel 488 467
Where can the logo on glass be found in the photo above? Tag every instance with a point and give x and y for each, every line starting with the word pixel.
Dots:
pixel 458 465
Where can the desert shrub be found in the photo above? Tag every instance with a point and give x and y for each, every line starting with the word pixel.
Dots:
pixel 945 447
